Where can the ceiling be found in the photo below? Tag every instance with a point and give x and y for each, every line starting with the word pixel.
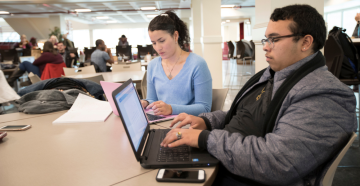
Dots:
pixel 116 11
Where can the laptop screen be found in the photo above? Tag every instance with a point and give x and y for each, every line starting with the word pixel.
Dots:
pixel 30 59
pixel 132 112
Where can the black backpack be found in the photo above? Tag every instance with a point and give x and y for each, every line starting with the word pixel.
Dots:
pixel 350 63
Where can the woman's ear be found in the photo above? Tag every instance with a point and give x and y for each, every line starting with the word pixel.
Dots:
pixel 176 36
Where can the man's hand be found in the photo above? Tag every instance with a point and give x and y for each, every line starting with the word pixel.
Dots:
pixel 188 137
pixel 72 55
pixel 194 121
pixel 160 108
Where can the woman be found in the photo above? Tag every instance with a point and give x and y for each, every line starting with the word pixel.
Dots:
pixel 177 81
pixel 33 42
pixel 49 55
pixel 54 40
pixel 24 43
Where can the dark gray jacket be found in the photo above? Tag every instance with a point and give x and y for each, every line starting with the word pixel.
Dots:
pixel 314 123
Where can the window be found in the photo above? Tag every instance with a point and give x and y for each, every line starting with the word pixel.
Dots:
pixel 344 18
pixel 81 38
pixel 334 19
pixel 349 20
pixel 9 37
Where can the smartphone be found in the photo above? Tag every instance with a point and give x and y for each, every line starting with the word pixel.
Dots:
pixel 2 135
pixel 175 175
pixel 14 127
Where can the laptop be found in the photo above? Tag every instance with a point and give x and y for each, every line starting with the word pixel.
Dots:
pixel 149 152
pixel 30 59
pixel 109 87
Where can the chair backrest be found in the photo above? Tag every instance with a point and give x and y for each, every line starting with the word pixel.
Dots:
pixel 329 176
pixel 218 98
pixel 333 55
pixel 8 55
pixel 253 49
pixel 240 50
pixel 136 66
pixel 231 49
pixel 81 70
pixel 247 50
pixel 34 78
pixel 124 50
pixel 144 86
pixel 95 79
pixel 53 71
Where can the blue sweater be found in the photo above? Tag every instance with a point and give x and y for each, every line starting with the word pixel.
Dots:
pixel 190 91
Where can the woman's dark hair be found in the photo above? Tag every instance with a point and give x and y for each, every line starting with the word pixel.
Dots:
pixel 306 20
pixel 49 47
pixel 170 22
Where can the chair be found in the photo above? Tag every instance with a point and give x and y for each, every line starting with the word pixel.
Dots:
pixel 95 79
pixel 52 71
pixel 81 70
pixel 124 50
pixel 9 55
pixel 136 66
pixel 34 78
pixel 231 49
pixel 144 86
pixel 329 176
pixel 218 98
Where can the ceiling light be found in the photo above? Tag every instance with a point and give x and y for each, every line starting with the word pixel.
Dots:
pixel 223 22
pixel 227 21
pixel 82 10
pixel 102 17
pixel 151 16
pixel 248 22
pixel 148 8
pixel 4 12
pixel 111 21
pixel 227 6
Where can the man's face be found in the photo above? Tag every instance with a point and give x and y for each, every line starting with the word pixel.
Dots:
pixel 285 51
pixel 61 47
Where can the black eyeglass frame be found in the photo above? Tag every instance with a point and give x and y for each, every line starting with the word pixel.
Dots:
pixel 270 40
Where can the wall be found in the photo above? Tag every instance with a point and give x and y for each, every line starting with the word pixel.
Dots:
pixel 31 27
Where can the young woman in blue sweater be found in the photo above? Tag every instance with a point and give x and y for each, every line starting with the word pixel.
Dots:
pixel 177 81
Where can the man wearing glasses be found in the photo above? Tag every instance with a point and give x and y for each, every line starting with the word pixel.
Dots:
pixel 289 120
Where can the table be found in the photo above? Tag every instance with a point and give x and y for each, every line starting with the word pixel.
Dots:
pixel 73 154
pixel 116 77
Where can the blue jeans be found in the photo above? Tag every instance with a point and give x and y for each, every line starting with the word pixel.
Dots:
pixel 29 67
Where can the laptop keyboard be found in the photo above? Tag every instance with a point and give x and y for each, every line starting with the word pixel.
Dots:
pixel 153 117
pixel 175 154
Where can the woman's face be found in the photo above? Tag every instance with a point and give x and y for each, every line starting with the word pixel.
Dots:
pixel 163 43
pixel 23 38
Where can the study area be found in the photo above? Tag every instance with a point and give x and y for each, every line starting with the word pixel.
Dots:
pixel 180 92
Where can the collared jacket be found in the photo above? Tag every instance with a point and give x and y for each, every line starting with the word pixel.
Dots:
pixel 315 121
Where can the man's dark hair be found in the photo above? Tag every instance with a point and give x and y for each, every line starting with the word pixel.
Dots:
pixel 98 42
pixel 306 21
pixel 61 42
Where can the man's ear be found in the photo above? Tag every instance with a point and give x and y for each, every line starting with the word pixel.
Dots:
pixel 307 42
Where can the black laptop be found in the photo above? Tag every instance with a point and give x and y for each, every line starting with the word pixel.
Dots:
pixel 140 135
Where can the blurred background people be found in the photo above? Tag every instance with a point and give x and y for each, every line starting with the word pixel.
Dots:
pixel 33 42
pixel 54 40
pixel 70 59
pixel 24 43
pixel 123 41
pixel 356 33
pixel 67 42
pixel 101 55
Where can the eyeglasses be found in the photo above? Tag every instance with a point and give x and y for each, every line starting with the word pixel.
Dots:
pixel 272 40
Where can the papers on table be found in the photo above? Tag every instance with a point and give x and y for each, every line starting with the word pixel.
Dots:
pixel 86 109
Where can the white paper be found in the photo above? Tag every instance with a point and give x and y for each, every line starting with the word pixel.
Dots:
pixel 86 109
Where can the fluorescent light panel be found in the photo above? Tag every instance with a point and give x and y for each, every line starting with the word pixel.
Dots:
pixel 151 16
pixel 102 17
pixel 148 8
pixel 82 10
pixel 4 12
pixel 227 21
pixel 227 6
pixel 111 21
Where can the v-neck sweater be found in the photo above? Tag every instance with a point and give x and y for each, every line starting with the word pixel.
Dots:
pixel 190 91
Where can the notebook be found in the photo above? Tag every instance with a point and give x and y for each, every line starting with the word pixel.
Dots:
pixel 149 152
pixel 109 87
pixel 30 59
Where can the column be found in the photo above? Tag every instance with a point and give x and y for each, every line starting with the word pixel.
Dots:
pixel 211 39
pixel 263 10
pixel 57 21
pixel 196 26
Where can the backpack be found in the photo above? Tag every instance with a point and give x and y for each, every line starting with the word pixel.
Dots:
pixel 350 63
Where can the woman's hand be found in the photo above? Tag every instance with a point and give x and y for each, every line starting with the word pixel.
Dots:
pixel 185 119
pixel 160 108
pixel 188 137
pixel 144 103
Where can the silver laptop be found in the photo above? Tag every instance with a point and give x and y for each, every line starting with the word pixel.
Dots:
pixel 30 59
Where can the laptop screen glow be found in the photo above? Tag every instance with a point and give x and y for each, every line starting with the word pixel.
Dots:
pixel 30 59
pixel 132 112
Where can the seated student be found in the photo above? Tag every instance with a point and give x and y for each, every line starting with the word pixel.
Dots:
pixel 177 81
pixel 288 121
pixel 69 58
pixel 33 42
pixel 123 41
pixel 24 43
pixel 49 55
pixel 54 40
pixel 356 33
pixel 100 57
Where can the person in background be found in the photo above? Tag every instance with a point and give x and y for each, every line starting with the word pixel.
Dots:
pixel 49 55
pixel 33 42
pixel 67 42
pixel 102 55
pixel 24 43
pixel 70 59
pixel 356 33
pixel 54 40
pixel 177 81
pixel 123 41
pixel 289 121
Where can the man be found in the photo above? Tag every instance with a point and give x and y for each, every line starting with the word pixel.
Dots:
pixel 70 59
pixel 123 41
pixel 288 121
pixel 100 57
pixel 356 33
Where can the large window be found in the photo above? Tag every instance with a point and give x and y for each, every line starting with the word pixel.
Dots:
pixel 9 37
pixel 81 39
pixel 344 18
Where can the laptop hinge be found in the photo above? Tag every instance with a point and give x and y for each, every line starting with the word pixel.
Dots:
pixel 148 144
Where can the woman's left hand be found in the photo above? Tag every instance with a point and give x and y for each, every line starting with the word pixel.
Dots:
pixel 160 108
pixel 189 137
